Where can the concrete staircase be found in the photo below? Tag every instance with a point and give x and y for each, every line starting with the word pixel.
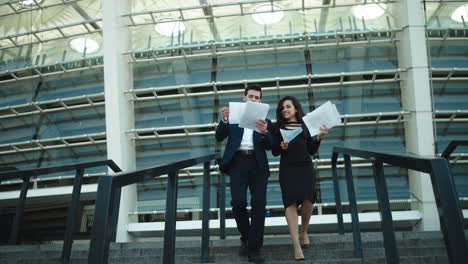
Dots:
pixel 414 248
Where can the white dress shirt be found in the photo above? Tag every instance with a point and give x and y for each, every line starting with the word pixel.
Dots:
pixel 247 139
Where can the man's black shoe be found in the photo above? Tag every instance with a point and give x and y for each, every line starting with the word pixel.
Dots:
pixel 255 257
pixel 243 249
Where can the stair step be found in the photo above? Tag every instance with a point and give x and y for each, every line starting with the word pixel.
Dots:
pixel 434 259
pixel 419 247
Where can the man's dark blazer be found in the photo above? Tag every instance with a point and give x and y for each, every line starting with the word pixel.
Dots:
pixel 234 134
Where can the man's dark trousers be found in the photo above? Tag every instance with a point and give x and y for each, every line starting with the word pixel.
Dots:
pixel 244 173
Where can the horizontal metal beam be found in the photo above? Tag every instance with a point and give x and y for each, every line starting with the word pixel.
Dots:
pixel 70 103
pixel 233 4
pixel 53 143
pixel 255 46
pixel 60 68
pixel 44 5
pixel 60 30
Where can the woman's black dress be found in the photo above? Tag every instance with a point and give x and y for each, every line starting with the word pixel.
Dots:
pixel 296 173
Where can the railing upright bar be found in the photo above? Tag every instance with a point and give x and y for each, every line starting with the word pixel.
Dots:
pixel 222 206
pixel 99 246
pixel 205 250
pixel 452 146
pixel 353 208
pixel 72 216
pixel 19 211
pixel 452 217
pixel 114 213
pixel 336 188
pixel 171 215
pixel 391 251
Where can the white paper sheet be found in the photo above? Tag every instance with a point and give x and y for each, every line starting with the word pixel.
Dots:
pixel 252 113
pixel 235 112
pixel 289 135
pixel 325 115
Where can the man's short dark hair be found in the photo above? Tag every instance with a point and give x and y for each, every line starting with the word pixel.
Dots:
pixel 255 87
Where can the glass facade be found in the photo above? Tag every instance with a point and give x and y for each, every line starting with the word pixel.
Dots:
pixel 448 54
pixel 52 103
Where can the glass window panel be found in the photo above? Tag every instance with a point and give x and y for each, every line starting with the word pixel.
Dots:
pixel 448 131
pixel 177 72
pixel 450 95
pixel 449 54
pixel 460 176
pixel 153 152
pixel 261 66
pixel 353 59
pixel 361 98
pixel 145 37
pixel 58 157
pixel 341 19
pixel 16 93
pixel 18 129
pixel 71 85
pixel 47 53
pixel 174 112
pixel 88 120
pixel 387 137
pixel 439 15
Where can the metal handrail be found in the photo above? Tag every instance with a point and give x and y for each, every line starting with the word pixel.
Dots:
pixel 108 200
pixel 72 213
pixel 450 214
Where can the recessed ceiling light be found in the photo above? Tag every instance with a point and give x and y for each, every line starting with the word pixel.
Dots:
pixel 82 45
pixel 369 11
pixel 169 27
pixel 268 14
pixel 460 14
pixel 29 3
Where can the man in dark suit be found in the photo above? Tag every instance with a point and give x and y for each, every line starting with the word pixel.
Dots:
pixel 245 161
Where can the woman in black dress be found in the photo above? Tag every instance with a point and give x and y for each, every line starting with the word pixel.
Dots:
pixel 296 174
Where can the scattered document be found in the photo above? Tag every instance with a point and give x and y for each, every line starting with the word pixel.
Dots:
pixel 251 114
pixel 289 135
pixel 325 115
pixel 235 112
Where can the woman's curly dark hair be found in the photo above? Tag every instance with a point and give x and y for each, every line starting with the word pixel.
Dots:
pixel 280 120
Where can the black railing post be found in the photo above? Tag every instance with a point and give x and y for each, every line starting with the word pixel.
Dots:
pixel 450 214
pixel 353 208
pixel 99 246
pixel 72 216
pixel 114 213
pixel 19 211
pixel 222 206
pixel 205 254
pixel 391 250
pixel 336 188
pixel 171 217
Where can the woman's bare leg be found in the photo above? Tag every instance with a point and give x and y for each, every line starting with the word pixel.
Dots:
pixel 291 218
pixel 306 213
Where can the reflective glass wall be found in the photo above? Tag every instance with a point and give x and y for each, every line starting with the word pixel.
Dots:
pixel 187 67
pixel 190 61
pixel 51 84
pixel 448 49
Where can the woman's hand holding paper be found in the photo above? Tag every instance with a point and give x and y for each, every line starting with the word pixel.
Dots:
pixel 323 131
